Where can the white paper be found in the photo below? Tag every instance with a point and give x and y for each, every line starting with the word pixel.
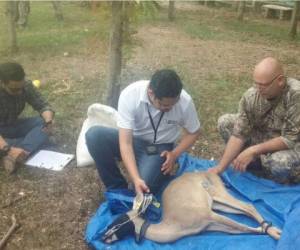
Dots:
pixel 49 160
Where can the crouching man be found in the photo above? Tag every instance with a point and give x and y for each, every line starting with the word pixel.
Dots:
pixel 151 116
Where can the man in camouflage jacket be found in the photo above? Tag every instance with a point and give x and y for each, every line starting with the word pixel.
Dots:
pixel 266 130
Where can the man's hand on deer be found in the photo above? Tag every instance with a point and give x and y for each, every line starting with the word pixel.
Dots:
pixel 244 158
pixel 215 170
pixel 169 163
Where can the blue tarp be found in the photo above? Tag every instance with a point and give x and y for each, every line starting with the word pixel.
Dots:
pixel 277 203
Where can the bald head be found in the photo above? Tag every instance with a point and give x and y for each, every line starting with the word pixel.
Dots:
pixel 269 78
pixel 268 68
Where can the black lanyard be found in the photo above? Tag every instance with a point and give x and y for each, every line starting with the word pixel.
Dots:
pixel 152 123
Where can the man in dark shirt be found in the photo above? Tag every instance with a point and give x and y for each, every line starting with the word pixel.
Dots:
pixel 19 137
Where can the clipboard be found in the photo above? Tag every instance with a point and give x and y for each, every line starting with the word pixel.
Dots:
pixel 49 160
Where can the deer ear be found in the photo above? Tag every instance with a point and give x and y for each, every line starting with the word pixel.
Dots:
pixel 120 228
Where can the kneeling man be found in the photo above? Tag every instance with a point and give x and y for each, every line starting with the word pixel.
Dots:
pixel 266 131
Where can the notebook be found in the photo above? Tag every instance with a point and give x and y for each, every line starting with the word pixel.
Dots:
pixel 49 160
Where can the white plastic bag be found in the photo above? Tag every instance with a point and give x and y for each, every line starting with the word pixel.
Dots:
pixel 97 114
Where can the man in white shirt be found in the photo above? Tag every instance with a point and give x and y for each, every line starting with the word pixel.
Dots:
pixel 151 116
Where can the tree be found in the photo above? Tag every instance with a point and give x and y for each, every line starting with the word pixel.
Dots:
pixel 57 10
pixel 115 54
pixel 241 10
pixel 10 11
pixel 22 13
pixel 295 18
pixel 171 10
pixel 121 12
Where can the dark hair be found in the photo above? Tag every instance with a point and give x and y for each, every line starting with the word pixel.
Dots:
pixel 165 83
pixel 11 71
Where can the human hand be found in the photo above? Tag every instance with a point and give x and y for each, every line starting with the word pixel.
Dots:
pixel 169 163
pixel 216 169
pixel 18 154
pixel 140 186
pixel 48 127
pixel 244 158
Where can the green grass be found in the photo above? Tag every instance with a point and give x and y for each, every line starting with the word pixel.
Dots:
pixel 214 96
pixel 45 34
pixel 220 24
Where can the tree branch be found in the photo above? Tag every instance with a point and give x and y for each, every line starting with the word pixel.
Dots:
pixel 13 227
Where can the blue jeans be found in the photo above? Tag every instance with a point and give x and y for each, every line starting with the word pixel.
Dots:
pixel 25 133
pixel 103 145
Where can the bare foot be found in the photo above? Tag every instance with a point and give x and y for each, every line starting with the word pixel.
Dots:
pixel 19 154
pixel 9 164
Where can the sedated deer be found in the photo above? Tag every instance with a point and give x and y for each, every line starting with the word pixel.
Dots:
pixel 190 203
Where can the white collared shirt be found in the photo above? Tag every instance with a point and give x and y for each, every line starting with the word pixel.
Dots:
pixel 133 114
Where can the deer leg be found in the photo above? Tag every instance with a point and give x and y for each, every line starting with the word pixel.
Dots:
pixel 227 203
pixel 224 224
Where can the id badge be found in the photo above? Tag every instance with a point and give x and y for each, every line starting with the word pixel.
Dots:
pixel 152 149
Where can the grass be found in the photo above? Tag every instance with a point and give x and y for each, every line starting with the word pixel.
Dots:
pixel 45 34
pixel 215 96
pixel 223 25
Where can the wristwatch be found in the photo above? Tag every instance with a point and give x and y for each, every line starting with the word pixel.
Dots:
pixel 4 150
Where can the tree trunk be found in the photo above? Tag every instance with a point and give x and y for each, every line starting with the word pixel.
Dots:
pixel 126 28
pixel 58 10
pixel 23 10
pixel 115 54
pixel 171 11
pixel 294 21
pixel 11 8
pixel 241 10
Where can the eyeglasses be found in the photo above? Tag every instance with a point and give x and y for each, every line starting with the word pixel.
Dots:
pixel 266 85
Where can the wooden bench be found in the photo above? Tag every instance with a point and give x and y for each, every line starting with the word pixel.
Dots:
pixel 274 11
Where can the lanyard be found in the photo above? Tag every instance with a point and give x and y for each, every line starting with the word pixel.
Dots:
pixel 152 123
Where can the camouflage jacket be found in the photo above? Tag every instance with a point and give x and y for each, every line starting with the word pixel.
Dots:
pixel 261 119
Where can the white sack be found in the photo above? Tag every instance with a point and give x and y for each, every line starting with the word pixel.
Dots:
pixel 97 114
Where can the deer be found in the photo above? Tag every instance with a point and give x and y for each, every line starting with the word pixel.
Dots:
pixel 190 203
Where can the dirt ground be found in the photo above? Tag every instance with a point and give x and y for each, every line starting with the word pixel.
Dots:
pixel 54 208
